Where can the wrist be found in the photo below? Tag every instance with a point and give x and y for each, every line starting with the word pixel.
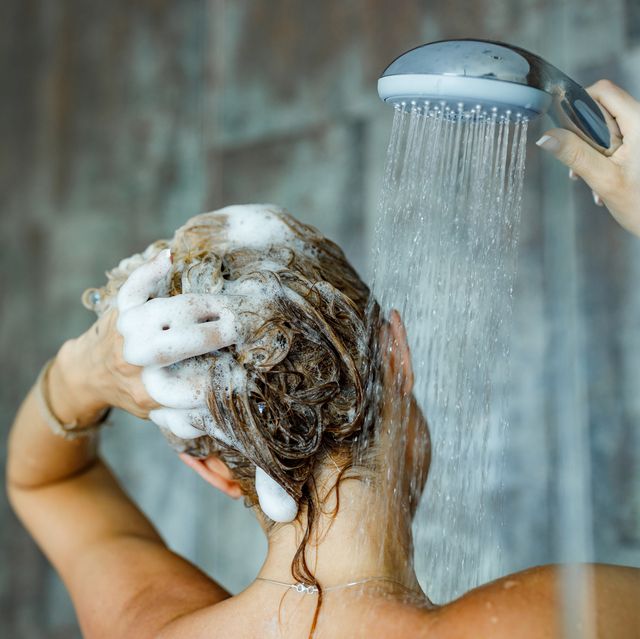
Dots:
pixel 71 396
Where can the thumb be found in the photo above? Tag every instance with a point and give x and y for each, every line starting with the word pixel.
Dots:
pixel 593 167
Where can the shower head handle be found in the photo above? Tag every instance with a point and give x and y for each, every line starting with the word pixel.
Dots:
pixel 574 109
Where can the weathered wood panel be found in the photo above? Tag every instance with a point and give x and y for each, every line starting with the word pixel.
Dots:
pixel 118 120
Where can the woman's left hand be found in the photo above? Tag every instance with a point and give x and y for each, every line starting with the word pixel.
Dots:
pixel 150 331
pixel 91 373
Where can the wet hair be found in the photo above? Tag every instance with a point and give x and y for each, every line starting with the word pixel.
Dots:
pixel 307 362
pixel 307 365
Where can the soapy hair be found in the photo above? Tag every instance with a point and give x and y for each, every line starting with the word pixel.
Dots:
pixel 307 363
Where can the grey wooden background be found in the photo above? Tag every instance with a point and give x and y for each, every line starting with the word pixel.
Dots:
pixel 119 120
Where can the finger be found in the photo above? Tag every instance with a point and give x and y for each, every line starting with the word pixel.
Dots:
pixel 593 167
pixel 275 501
pixel 188 424
pixel 141 397
pixel 184 384
pixel 180 422
pixel 216 464
pixel 171 346
pixel 620 104
pixel 167 330
pixel 177 312
pixel 222 480
pixel 150 279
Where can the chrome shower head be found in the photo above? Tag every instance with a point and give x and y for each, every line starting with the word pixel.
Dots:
pixel 495 77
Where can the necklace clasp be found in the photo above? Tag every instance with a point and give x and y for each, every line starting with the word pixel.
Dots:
pixel 304 588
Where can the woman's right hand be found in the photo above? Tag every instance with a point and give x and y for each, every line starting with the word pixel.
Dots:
pixel 615 179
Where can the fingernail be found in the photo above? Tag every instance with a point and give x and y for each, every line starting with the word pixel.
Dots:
pixel 597 199
pixel 572 175
pixel 548 143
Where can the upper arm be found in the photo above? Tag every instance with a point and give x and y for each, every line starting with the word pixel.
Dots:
pixel 123 579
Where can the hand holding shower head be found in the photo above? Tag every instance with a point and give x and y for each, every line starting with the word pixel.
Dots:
pixel 495 77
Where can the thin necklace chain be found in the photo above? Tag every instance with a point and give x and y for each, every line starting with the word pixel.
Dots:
pixel 309 589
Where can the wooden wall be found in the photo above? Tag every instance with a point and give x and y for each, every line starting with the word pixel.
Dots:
pixel 118 120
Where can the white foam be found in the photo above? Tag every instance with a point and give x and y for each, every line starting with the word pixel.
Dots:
pixel 228 376
pixel 189 423
pixel 179 422
pixel 256 226
pixel 274 500
pixel 151 279
pixel 253 226
pixel 167 330
pixel 255 292
pixel 180 385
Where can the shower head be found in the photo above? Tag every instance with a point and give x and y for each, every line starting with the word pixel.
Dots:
pixel 487 77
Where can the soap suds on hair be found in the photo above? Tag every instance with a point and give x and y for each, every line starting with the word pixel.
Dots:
pixel 246 226
pixel 275 502
pixel 255 226
pixel 189 423
pixel 227 376
pixel 184 384
pixel 238 274
pixel 166 330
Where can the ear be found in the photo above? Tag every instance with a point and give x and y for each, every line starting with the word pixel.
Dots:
pixel 396 352
pixel 214 471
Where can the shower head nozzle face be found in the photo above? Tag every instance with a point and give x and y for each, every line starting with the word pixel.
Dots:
pixel 463 95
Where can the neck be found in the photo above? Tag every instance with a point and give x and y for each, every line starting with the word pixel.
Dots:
pixel 364 539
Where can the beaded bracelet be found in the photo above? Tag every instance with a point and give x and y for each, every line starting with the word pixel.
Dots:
pixel 68 431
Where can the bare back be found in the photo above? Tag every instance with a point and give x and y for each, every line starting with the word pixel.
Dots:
pixel 523 605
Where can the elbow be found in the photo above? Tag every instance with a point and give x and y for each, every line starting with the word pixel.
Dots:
pixel 11 486
pixel 13 493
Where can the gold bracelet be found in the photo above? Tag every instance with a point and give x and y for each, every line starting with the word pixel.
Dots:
pixel 68 431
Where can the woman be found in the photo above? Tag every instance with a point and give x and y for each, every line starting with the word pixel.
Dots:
pixel 279 415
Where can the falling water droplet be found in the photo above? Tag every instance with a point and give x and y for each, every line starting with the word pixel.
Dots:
pixel 444 254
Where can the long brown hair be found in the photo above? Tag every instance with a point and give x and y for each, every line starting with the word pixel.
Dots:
pixel 307 363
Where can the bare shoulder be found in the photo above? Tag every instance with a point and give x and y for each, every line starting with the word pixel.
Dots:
pixel 523 605
pixel 528 604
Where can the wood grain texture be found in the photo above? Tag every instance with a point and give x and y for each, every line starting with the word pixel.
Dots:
pixel 119 120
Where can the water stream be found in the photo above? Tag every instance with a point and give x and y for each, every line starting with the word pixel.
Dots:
pixel 444 257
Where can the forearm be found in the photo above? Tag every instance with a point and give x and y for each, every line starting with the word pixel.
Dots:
pixel 38 457
pixel 65 496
